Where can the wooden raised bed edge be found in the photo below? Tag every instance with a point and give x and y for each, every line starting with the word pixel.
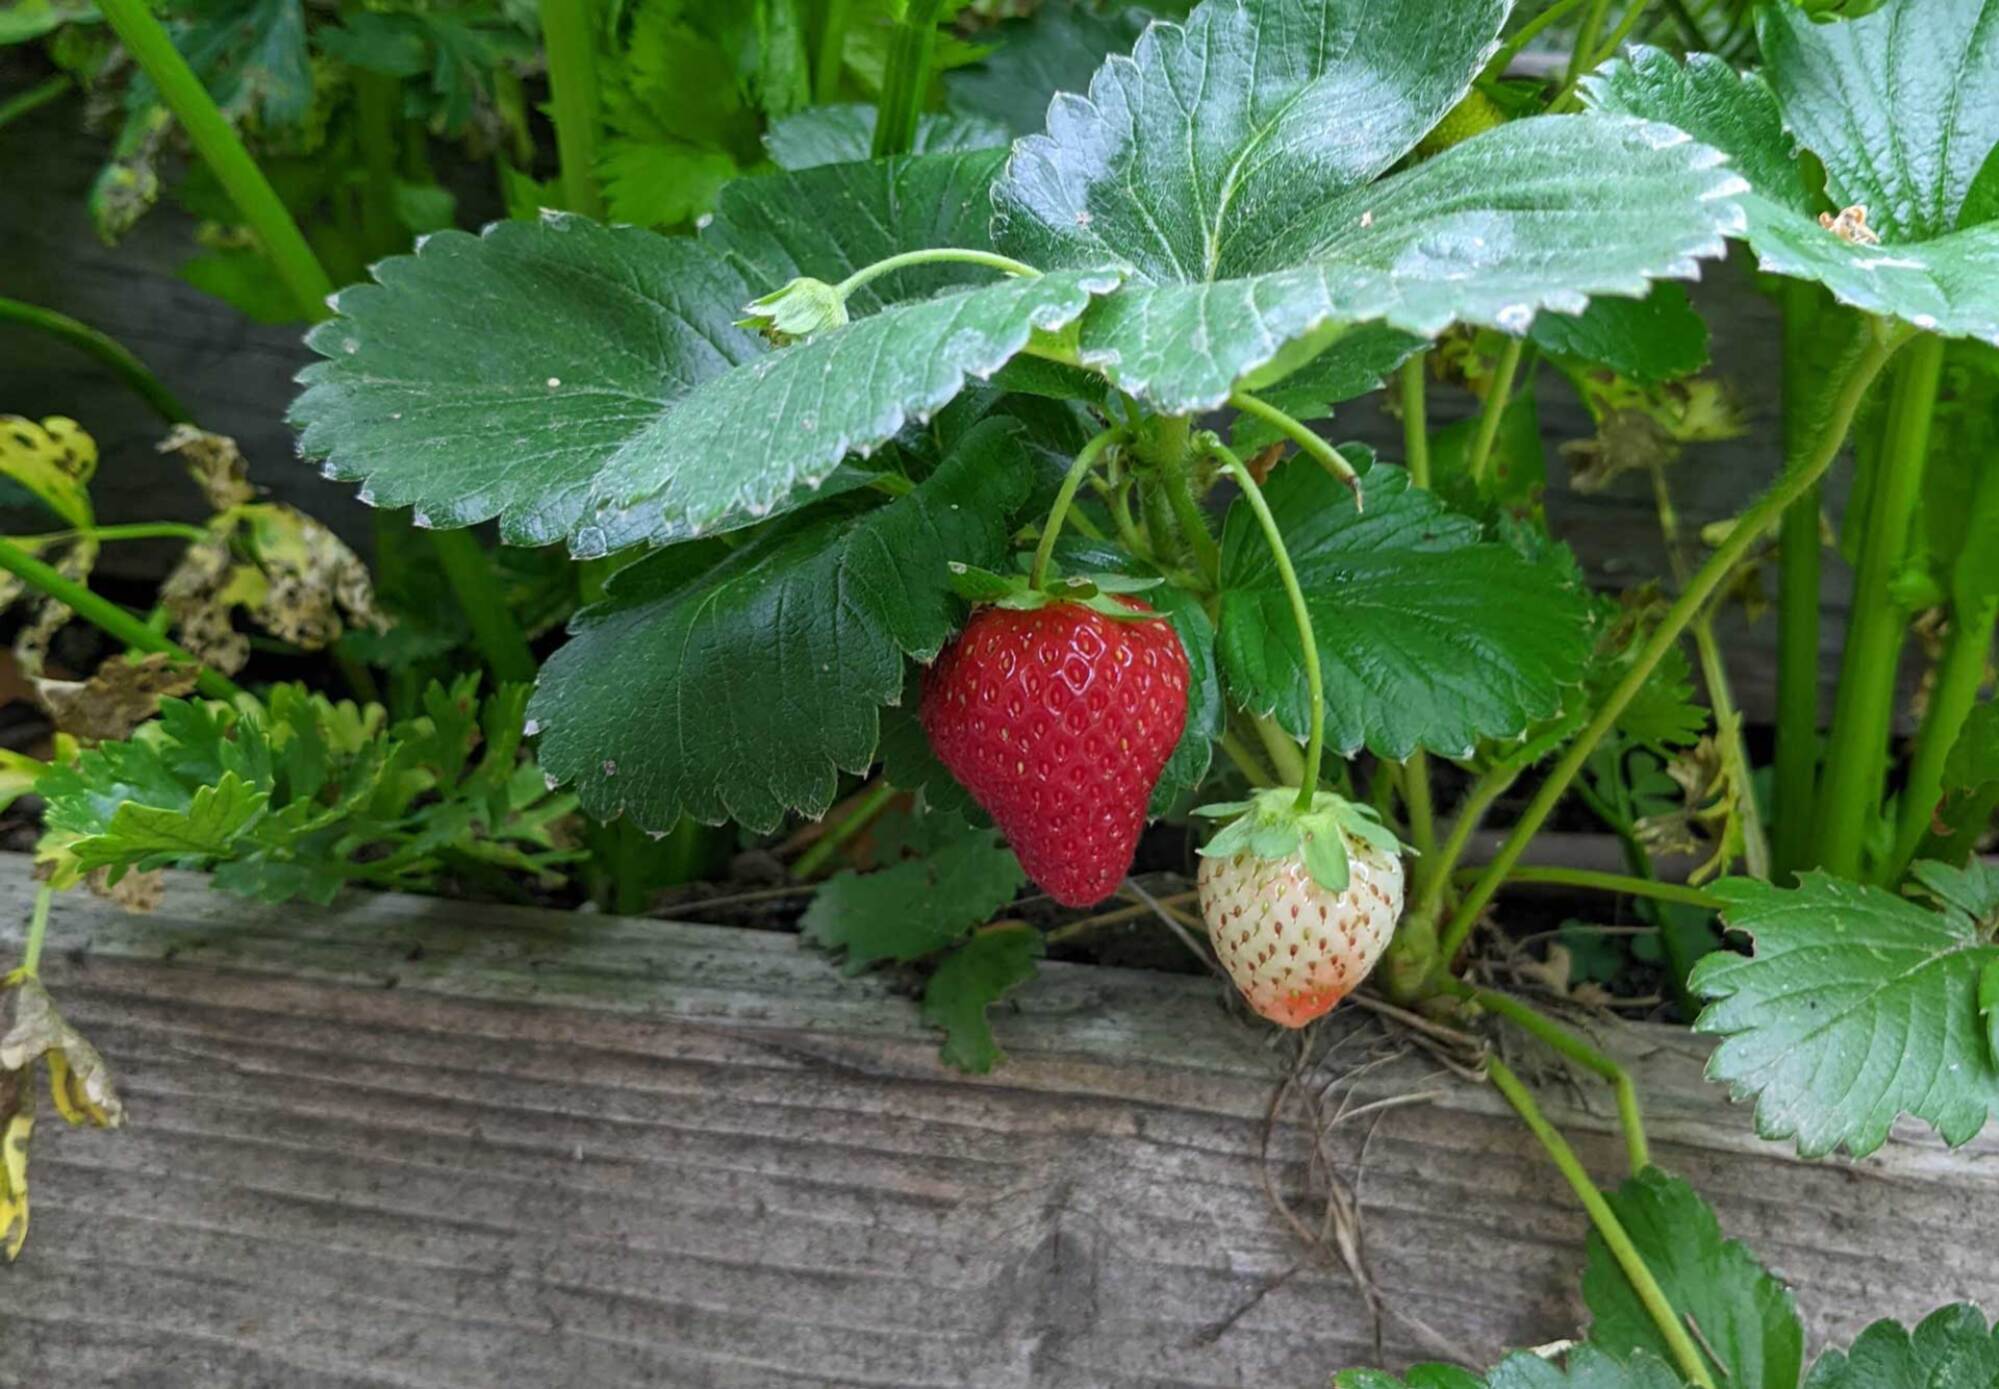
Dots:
pixel 410 1141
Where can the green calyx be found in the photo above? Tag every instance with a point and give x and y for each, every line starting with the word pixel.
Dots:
pixel 1019 593
pixel 1271 825
pixel 802 308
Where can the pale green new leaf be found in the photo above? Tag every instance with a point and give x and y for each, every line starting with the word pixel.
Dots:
pixel 1948 283
pixel 1951 1348
pixel 738 683
pixel 909 909
pixel 1747 1318
pixel 1229 165
pixel 1858 1006
pixel 984 970
pixel 1430 635
pixel 654 183
pixel 844 133
pixel 553 374
pixel 206 827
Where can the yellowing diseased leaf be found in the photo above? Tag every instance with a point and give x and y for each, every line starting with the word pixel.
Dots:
pixel 31 644
pixel 137 891
pixel 214 462
pixel 120 695
pixel 17 1125
pixel 18 775
pixel 54 460
pixel 1710 816
pixel 32 1030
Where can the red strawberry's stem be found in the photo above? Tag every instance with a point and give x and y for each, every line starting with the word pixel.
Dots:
pixel 1051 529
pixel 1608 1226
pixel 1883 342
pixel 1315 746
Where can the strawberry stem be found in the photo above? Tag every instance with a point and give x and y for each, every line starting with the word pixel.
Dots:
pixel 1498 395
pixel 1608 1226
pixel 1324 453
pixel 933 255
pixel 1051 530
pixel 1315 746
pixel 1885 339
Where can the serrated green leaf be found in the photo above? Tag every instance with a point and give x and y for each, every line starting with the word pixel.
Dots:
pixel 1988 1006
pixel 1857 1006
pixel 845 132
pixel 1055 49
pixel 1587 1368
pixel 651 183
pixel 1655 338
pixel 738 683
pixel 1947 283
pixel 1229 165
pixel 1746 1317
pixel 1970 789
pixel 615 373
pixel 1429 635
pixel 973 978
pixel 1901 106
pixel 1353 366
pixel 190 835
pixel 910 909
pixel 1951 1348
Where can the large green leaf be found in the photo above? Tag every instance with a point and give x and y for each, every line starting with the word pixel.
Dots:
pixel 844 133
pixel 1055 49
pixel 738 683
pixel 1902 106
pixel 589 383
pixel 1948 283
pixel 1587 1368
pixel 1228 164
pixel 1430 636
pixel 1746 1317
pixel 1951 1348
pixel 909 909
pixel 992 964
pixel 1858 1006
pixel 1655 338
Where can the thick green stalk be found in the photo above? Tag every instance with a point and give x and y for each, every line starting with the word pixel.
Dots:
pixel 38 931
pixel 1796 760
pixel 831 57
pixel 1280 747
pixel 136 530
pixel 1193 525
pixel 1612 1231
pixel 106 349
pixel 906 80
pixel 1498 395
pixel 1245 758
pixel 569 34
pixel 1415 419
pixel 1857 749
pixel 1586 37
pixel 1620 883
pixel 1959 674
pixel 1416 799
pixel 106 615
pixel 499 638
pixel 33 99
pixel 822 849
pixel 1051 529
pixel 1883 341
pixel 216 142
pixel 1315 745
pixel 1435 870
pixel 377 110
pixel 1517 45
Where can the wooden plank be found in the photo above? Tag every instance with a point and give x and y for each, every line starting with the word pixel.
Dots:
pixel 411 1142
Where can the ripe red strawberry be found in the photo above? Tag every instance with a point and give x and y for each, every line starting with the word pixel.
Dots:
pixel 1058 719
pixel 1300 906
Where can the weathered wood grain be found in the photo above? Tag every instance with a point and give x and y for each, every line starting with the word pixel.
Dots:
pixel 407 1142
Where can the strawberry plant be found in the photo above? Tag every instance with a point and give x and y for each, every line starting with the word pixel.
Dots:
pixel 949 479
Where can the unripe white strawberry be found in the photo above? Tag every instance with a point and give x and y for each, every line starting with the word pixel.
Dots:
pixel 1300 905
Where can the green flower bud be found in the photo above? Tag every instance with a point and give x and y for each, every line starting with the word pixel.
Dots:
pixel 802 308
